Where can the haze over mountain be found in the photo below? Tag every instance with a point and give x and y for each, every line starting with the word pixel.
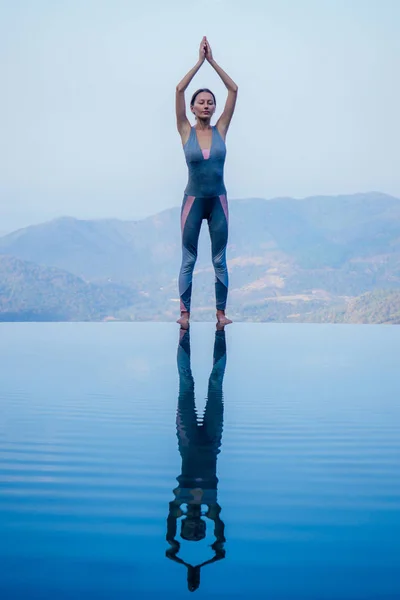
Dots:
pixel 287 258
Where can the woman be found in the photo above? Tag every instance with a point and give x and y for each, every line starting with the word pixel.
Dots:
pixel 205 193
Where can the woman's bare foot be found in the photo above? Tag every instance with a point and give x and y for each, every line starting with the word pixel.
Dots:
pixel 184 320
pixel 222 320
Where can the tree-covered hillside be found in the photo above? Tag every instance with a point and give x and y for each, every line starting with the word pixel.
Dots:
pixel 30 292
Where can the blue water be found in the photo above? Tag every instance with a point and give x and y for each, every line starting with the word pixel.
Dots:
pixel 291 480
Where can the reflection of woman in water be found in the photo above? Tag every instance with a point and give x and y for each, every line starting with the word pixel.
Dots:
pixel 199 444
pixel 205 193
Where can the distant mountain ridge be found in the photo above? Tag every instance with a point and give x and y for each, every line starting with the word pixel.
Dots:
pixel 317 231
pixel 285 256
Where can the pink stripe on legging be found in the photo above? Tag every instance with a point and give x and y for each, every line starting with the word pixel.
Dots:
pixel 224 203
pixel 186 210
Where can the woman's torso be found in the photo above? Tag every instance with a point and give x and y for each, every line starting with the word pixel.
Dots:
pixel 206 175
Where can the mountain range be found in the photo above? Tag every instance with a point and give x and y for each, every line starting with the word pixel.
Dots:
pixel 289 260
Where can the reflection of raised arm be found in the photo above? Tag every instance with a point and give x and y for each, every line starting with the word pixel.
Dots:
pixel 173 551
pixel 219 527
pixel 174 513
pixel 182 121
pixel 218 556
pixel 193 572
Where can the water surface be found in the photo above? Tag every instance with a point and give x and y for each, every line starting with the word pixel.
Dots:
pixel 286 486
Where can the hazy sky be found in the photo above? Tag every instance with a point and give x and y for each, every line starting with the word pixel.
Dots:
pixel 87 104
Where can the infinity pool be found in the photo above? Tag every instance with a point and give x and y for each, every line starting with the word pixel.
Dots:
pixel 138 461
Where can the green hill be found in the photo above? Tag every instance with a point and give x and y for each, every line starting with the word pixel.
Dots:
pixel 380 306
pixel 29 292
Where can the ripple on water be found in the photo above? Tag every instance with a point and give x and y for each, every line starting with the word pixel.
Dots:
pixel 308 469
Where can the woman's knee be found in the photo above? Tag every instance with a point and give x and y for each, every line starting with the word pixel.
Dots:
pixel 219 263
pixel 189 262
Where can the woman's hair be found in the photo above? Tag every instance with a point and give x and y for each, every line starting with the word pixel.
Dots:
pixel 199 92
pixel 193 529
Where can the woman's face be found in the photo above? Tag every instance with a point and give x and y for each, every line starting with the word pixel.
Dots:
pixel 204 106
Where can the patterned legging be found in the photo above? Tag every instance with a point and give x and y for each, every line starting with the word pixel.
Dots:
pixel 194 210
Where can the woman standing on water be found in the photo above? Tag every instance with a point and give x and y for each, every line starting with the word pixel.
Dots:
pixel 205 193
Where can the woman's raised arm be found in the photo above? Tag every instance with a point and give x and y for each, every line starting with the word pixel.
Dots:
pixel 225 119
pixel 182 121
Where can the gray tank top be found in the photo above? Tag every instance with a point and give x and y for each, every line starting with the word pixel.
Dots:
pixel 206 175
